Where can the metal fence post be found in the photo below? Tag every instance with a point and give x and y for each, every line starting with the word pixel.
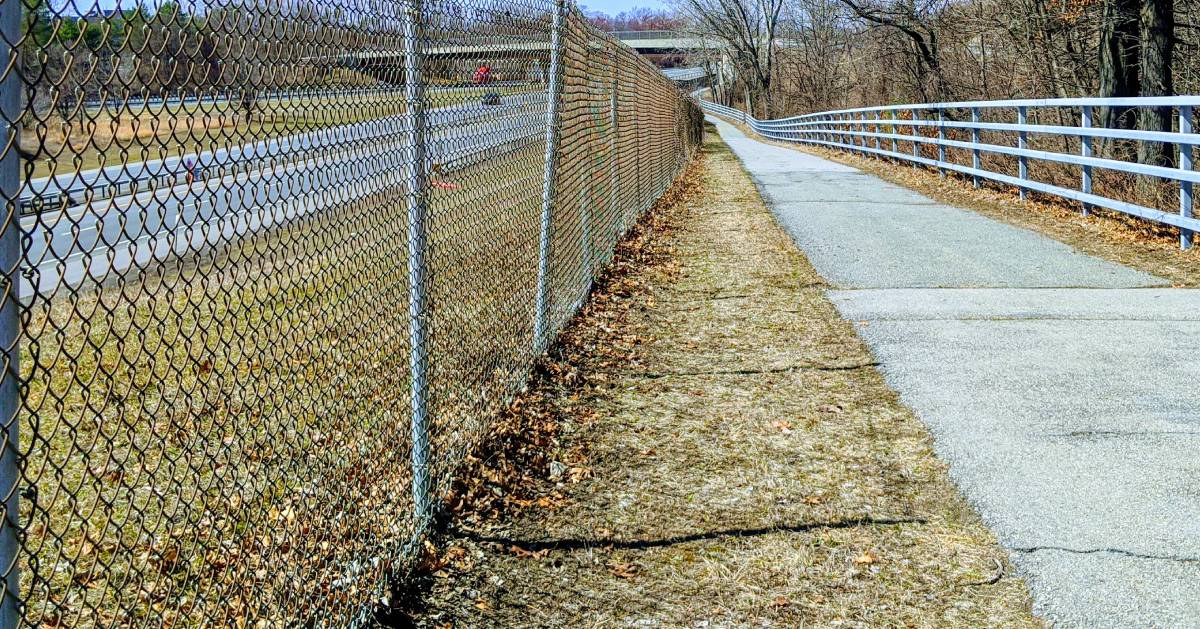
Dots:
pixel 637 144
pixel 10 325
pixel 541 317
pixel 1023 143
pixel 614 129
pixel 417 197
pixel 941 152
pixel 976 157
pixel 587 259
pixel 1185 187
pixel 1086 151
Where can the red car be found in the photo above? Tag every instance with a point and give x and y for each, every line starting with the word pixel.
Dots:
pixel 483 76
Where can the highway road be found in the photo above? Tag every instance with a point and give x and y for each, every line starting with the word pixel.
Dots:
pixel 102 183
pixel 255 186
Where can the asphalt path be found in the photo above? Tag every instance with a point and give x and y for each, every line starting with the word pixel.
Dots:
pixel 1059 387
pixel 293 177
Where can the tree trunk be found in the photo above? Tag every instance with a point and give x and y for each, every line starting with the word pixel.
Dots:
pixel 1118 59
pixel 1158 44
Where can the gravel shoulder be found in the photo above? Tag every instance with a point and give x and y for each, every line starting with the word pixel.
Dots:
pixel 712 445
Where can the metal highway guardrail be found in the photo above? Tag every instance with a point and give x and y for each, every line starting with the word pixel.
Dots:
pixel 685 74
pixel 865 130
pixel 635 35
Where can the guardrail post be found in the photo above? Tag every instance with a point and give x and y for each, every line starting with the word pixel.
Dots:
pixel 851 139
pixel 876 125
pixel 916 130
pixel 855 128
pixel 1185 187
pixel 862 134
pixel 417 200
pixel 1086 141
pixel 892 131
pixel 542 314
pixel 976 158
pixel 1023 143
pixel 941 139
pixel 10 325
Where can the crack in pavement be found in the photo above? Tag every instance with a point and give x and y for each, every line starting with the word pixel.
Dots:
pixel 1123 433
pixel 1094 551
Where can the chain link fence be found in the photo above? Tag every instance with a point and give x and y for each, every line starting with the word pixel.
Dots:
pixel 270 266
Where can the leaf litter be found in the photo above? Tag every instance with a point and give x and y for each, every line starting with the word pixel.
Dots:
pixel 744 496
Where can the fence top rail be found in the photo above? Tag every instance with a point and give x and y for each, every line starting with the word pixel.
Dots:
pixel 1141 101
pixel 823 126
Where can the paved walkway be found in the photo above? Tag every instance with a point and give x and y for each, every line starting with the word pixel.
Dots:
pixel 1061 388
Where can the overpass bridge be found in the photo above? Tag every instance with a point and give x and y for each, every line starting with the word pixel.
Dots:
pixel 388 65
pixel 664 42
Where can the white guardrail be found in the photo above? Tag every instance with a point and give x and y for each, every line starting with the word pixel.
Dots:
pixel 682 75
pixel 866 129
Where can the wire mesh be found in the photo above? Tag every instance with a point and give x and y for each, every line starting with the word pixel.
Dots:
pixel 270 267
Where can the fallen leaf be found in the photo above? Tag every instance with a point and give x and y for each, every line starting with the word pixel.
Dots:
pixel 529 554
pixel 780 601
pixel 577 474
pixel 623 570
pixel 782 426
pixel 866 558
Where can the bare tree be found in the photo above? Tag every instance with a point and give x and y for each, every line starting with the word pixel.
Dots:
pixel 812 72
pixel 1157 30
pixel 1118 58
pixel 917 20
pixel 747 30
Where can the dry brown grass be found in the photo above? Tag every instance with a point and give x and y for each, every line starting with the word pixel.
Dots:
pixel 711 446
pixel 236 413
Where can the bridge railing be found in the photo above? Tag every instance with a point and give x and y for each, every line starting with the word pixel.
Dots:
pixel 252 344
pixel 642 35
pixel 1055 147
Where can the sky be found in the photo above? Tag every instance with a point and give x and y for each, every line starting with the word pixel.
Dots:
pixel 613 7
